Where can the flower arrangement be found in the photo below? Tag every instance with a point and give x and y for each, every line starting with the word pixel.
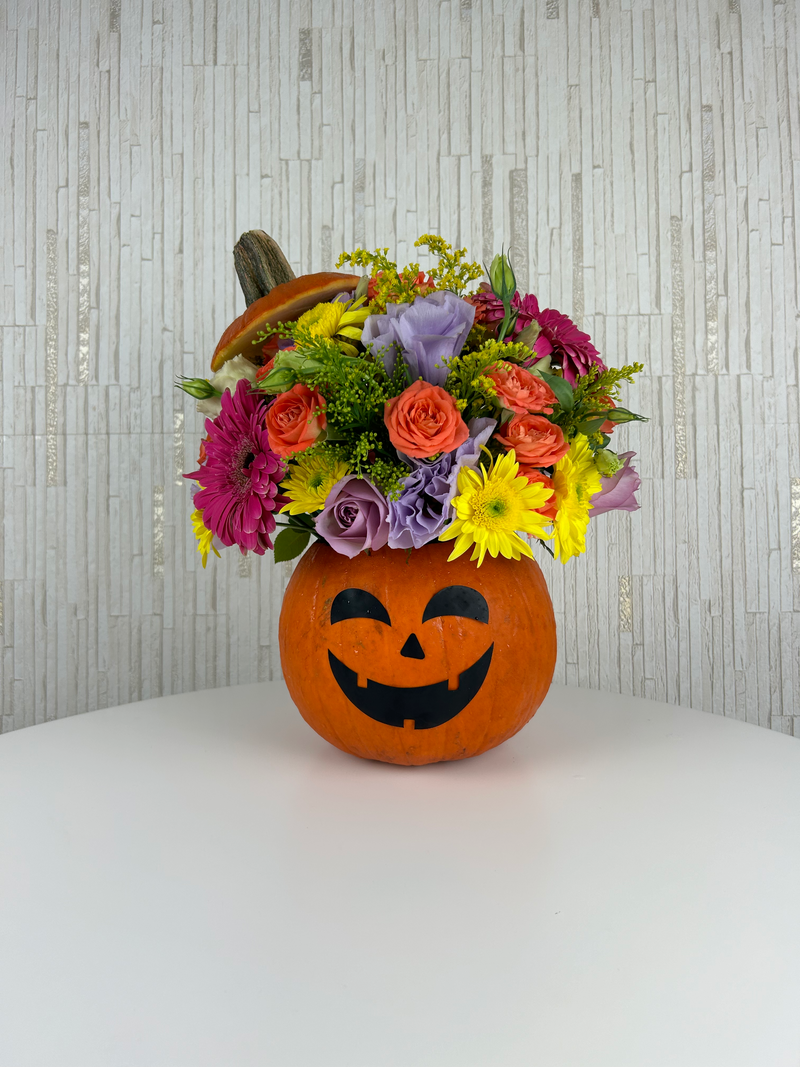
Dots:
pixel 395 408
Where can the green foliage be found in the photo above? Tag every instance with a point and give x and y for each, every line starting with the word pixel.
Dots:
pixel 394 286
pixel 283 329
pixel 391 285
pixel 452 273
pixel 606 382
pixel 586 408
pixel 290 542
pixel 562 389
pixel 474 393
pixel 356 389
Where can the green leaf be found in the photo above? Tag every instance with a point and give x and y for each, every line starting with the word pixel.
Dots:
pixel 561 388
pixel 590 426
pixel 290 543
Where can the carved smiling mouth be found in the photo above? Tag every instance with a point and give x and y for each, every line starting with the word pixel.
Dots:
pixel 425 706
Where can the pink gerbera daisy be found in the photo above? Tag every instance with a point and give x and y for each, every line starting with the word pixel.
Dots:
pixel 568 345
pixel 560 337
pixel 241 474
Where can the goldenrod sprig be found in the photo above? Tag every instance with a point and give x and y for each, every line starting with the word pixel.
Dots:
pixel 452 273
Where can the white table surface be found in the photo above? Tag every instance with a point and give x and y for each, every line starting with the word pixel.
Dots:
pixel 201 880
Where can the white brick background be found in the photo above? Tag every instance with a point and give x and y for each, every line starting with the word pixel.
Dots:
pixel 643 158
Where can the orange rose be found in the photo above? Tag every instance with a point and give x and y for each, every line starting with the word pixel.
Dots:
pixel 295 420
pixel 536 441
pixel 549 510
pixel 424 421
pixel 520 391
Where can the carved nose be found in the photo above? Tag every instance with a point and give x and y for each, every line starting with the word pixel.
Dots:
pixel 412 648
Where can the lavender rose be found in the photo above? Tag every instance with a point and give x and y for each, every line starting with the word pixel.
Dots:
pixel 430 332
pixel 355 517
pixel 618 491
pixel 424 507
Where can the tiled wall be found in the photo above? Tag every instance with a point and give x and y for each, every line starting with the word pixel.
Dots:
pixel 643 159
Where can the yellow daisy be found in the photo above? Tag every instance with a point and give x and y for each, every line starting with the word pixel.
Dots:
pixel 575 481
pixel 309 481
pixel 337 320
pixel 204 537
pixel 492 506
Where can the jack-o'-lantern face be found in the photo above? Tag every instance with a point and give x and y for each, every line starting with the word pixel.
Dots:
pixel 418 707
pixel 413 659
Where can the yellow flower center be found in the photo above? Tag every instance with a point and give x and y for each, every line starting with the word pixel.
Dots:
pixel 491 506
pixel 316 479
pixel 322 320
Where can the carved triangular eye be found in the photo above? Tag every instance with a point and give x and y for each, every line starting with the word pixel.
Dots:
pixel 457 600
pixel 358 604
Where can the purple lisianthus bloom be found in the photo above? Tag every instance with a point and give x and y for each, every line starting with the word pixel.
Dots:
pixel 380 331
pixel 355 517
pixel 429 333
pixel 424 506
pixel 618 491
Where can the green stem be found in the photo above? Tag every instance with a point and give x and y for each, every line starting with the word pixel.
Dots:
pixel 304 529
pixel 545 546
pixel 509 319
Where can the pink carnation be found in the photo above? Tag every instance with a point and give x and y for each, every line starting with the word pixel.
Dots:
pixel 241 474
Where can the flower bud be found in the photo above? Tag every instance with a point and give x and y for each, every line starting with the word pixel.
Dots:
pixel 289 359
pixel 199 388
pixel 501 278
pixel 529 335
pixel 607 462
pixel 279 380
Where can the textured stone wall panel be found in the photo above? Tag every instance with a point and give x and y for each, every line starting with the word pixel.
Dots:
pixel 643 160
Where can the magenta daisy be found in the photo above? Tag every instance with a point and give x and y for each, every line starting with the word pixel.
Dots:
pixel 568 345
pixel 560 337
pixel 241 474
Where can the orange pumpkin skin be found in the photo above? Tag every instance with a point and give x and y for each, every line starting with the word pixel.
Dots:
pixel 520 630
pixel 285 303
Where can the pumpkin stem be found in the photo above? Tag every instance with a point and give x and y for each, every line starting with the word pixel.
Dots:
pixel 260 264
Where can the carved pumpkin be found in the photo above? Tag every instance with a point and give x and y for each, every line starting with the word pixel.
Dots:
pixel 411 659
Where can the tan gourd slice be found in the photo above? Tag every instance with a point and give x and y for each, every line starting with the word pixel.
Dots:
pixel 284 303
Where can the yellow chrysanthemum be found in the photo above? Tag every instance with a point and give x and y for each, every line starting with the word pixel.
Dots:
pixel 337 320
pixel 575 481
pixel 204 536
pixel 493 507
pixel 309 481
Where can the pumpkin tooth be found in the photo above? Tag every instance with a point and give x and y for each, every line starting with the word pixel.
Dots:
pixel 285 303
pixel 452 683
pixel 362 681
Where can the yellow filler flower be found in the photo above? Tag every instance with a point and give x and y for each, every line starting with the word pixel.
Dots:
pixel 204 537
pixel 575 481
pixel 309 481
pixel 337 320
pixel 492 506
